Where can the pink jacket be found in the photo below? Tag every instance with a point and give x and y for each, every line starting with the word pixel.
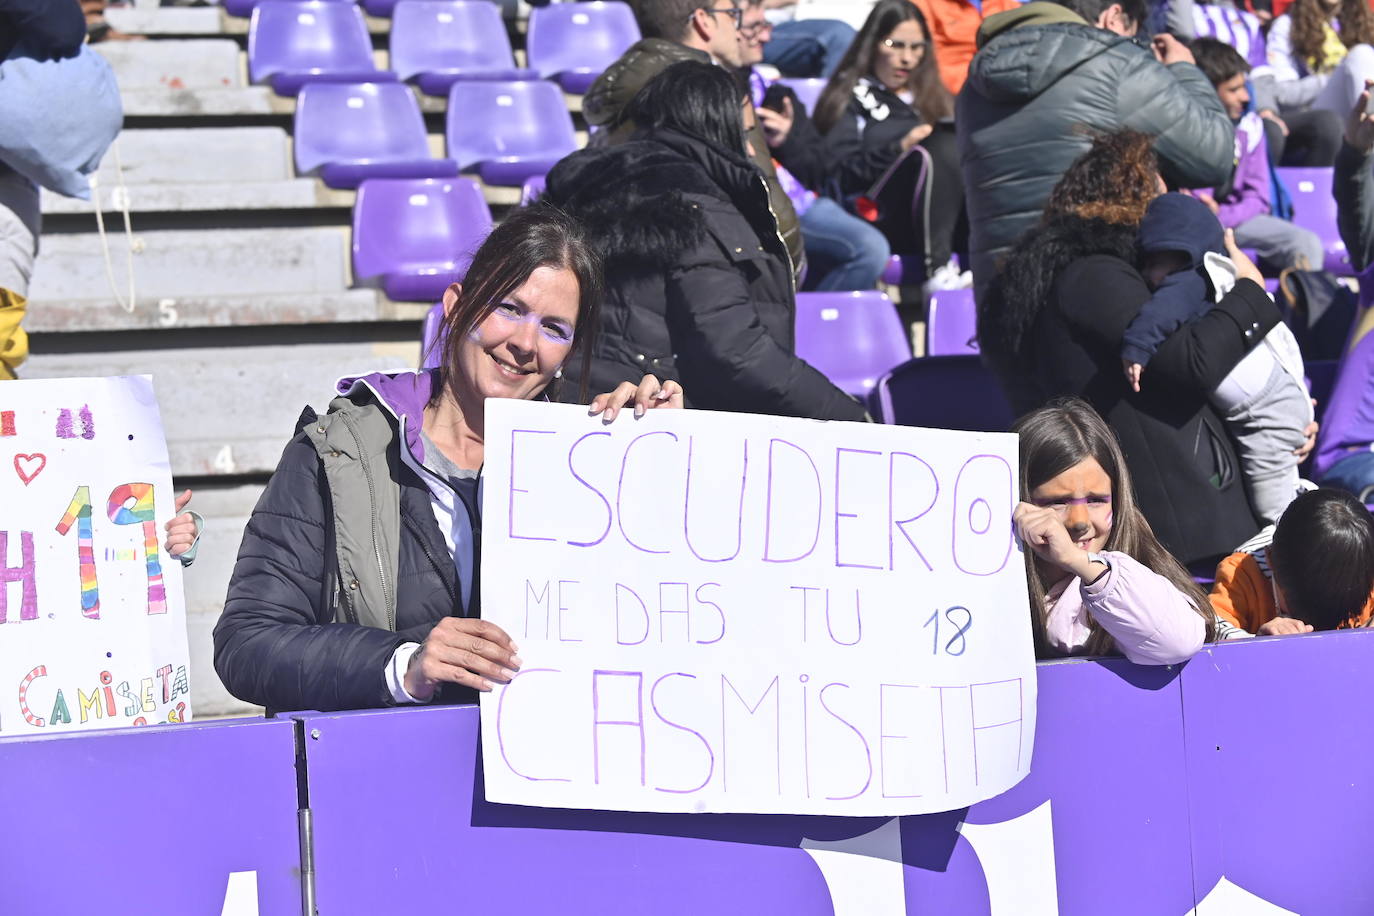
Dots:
pixel 1152 622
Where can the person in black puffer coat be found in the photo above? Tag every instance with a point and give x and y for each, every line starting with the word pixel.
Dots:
pixel 698 285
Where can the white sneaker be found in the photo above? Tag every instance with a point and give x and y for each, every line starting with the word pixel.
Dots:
pixel 948 277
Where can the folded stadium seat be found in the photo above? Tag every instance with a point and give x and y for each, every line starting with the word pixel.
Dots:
pixel 429 335
pixel 508 131
pixel 532 190
pixel 436 43
pixel 1314 208
pixel 574 42
pixel 294 42
pixel 951 323
pixel 942 392
pixel 851 337
pixel 415 236
pixel 347 133
pixel 245 8
pixel 808 91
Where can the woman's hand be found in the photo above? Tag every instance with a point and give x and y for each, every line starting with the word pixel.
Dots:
pixel 1041 530
pixel 461 650
pixel 915 135
pixel 181 530
pixel 1283 626
pixel 1359 126
pixel 776 124
pixel 647 395
pixel 1245 268
pixel 1310 431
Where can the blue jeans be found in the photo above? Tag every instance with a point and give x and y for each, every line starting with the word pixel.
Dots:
pixel 843 251
pixel 1354 472
pixel 812 47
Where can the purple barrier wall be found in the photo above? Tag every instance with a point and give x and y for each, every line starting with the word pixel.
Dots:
pixel 1242 775
pixel 149 820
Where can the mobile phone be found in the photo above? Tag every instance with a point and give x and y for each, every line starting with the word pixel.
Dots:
pixel 772 98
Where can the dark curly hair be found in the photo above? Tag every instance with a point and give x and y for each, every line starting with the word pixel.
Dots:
pixel 1357 26
pixel 1095 208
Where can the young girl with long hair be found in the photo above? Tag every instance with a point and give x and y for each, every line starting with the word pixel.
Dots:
pixel 883 113
pixel 1320 53
pixel 1099 581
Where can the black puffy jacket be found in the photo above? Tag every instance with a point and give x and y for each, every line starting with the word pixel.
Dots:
pixel 698 284
pixel 283 641
pixel 867 138
pixel 1042 82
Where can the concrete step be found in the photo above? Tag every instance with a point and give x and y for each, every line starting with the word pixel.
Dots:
pixel 198 264
pixel 176 65
pixel 292 194
pixel 355 306
pixel 211 154
pixel 226 510
pixel 160 102
pixel 229 410
pixel 171 20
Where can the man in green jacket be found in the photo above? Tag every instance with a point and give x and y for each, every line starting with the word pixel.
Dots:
pixel 677 30
pixel 1047 77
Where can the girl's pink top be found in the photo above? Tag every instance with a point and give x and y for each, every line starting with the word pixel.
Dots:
pixel 1152 622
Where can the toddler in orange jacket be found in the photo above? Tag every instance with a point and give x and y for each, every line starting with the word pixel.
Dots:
pixel 1313 570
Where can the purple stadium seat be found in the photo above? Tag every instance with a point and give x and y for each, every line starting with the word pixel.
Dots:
pixel 532 190
pixel 436 43
pixel 429 334
pixel 244 8
pixel 942 392
pixel 370 130
pixel 951 323
pixel 574 42
pixel 294 42
pixel 807 90
pixel 508 131
pixel 1314 208
pixel 416 236
pixel 851 337
pixel 383 8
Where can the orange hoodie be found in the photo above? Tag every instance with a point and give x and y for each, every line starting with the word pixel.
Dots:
pixel 953 31
pixel 1244 593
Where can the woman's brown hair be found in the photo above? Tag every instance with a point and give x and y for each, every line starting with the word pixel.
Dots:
pixel 1054 439
pixel 1114 181
pixel 931 99
pixel 1310 16
pixel 540 235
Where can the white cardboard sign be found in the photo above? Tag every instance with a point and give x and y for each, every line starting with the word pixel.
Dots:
pixel 735 613
pixel 92 618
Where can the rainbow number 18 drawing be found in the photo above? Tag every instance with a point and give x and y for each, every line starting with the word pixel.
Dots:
pixel 92 619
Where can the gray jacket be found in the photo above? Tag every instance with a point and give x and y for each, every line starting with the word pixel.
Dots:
pixel 1041 84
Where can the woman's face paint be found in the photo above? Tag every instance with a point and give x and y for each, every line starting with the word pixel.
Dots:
pixel 1082 498
pixel 515 350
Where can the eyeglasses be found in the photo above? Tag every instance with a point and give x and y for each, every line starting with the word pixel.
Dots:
pixel 900 46
pixel 1097 505
pixel 734 12
pixel 755 30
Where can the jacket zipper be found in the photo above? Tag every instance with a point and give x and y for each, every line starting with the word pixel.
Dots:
pixel 376 543
pixel 777 233
pixel 420 539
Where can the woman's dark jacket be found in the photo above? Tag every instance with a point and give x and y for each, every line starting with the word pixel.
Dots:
pixel 1186 473
pixel 698 284
pixel 287 638
pixel 867 139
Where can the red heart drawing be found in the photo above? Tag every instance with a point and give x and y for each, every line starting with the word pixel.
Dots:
pixel 29 466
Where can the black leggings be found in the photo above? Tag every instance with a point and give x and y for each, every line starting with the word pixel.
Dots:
pixel 1314 138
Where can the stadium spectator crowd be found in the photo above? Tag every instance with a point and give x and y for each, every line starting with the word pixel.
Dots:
pixel 1107 196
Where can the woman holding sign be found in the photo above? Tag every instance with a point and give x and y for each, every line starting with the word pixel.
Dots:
pixel 356 584
pixel 1099 581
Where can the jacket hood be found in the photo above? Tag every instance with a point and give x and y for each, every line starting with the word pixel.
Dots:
pixel 618 83
pixel 401 394
pixel 634 198
pixel 1024 52
pixel 1178 222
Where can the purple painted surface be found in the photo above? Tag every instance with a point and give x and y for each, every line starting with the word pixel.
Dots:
pixel 1109 758
pixel 508 131
pixel 149 820
pixel 1279 758
pixel 435 844
pixel 851 337
pixel 951 323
